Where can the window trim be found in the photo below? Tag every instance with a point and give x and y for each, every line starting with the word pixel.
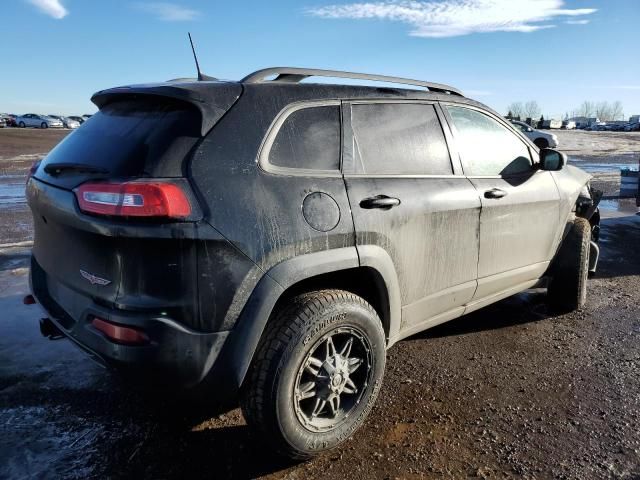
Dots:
pixel 520 136
pixel 274 129
pixel 349 138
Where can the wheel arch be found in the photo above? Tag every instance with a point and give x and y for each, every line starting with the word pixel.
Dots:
pixel 370 275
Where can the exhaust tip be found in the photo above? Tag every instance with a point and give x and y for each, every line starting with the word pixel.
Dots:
pixel 49 330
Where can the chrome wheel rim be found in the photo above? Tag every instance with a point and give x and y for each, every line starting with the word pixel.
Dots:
pixel 332 379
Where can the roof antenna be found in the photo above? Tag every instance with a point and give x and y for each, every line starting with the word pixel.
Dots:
pixel 201 76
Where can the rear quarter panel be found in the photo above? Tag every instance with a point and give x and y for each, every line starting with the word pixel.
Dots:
pixel 259 213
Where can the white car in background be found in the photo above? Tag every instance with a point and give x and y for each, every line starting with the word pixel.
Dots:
pixel 541 139
pixel 66 121
pixel 38 121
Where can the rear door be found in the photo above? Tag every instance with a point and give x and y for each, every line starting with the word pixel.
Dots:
pixel 409 198
pixel 520 204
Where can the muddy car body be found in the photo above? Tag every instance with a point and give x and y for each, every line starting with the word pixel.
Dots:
pixel 320 222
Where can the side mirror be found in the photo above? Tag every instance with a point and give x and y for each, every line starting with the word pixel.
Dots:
pixel 552 160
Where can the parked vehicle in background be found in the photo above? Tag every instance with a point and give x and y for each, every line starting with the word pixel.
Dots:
pixel 632 127
pixel 77 118
pixel 86 116
pixel 3 122
pixel 541 139
pixel 225 234
pixel 66 121
pixel 10 119
pixel 38 121
pixel 551 124
pixel 568 125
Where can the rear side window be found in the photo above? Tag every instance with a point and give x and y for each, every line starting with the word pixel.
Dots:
pixel 399 138
pixel 309 139
pixel 486 147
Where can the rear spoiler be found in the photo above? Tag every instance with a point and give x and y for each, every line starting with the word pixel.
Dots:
pixel 212 99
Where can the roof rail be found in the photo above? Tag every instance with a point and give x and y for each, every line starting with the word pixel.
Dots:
pixel 295 75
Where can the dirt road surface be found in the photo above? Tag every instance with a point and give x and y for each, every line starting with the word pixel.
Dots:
pixel 511 391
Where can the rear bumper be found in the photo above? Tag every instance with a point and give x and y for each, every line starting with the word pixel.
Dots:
pixel 174 354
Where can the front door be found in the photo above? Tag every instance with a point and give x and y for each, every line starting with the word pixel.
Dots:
pixel 408 198
pixel 520 204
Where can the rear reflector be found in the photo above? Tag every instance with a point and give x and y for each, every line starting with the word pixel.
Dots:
pixel 120 334
pixel 29 300
pixel 134 199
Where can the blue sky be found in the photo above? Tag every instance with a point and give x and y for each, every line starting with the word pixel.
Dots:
pixel 56 53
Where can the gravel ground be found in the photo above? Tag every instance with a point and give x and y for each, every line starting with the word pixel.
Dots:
pixel 510 391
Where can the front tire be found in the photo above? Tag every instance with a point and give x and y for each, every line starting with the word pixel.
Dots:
pixel 44 125
pixel 568 288
pixel 316 373
pixel 21 125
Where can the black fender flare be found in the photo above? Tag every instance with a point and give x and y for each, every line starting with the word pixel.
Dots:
pixel 243 340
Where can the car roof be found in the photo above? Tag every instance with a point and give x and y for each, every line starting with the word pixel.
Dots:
pixel 286 82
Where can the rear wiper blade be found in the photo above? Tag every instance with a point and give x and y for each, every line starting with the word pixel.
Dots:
pixel 58 168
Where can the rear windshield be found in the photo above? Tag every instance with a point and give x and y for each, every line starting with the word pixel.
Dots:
pixel 132 138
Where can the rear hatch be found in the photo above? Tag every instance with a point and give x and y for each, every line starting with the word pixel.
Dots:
pixel 146 263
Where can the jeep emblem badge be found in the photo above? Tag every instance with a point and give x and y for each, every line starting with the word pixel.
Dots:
pixel 94 280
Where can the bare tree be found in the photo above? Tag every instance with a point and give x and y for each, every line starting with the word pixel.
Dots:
pixel 531 109
pixel 617 112
pixel 586 109
pixel 516 109
pixel 603 111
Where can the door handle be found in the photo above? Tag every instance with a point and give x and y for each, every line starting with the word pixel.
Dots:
pixel 495 193
pixel 381 201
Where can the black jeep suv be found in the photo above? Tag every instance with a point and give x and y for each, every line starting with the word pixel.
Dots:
pixel 272 238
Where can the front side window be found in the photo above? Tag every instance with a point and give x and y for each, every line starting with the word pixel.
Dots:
pixel 486 147
pixel 309 138
pixel 400 139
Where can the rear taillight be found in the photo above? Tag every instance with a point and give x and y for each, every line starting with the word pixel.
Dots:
pixel 33 170
pixel 134 199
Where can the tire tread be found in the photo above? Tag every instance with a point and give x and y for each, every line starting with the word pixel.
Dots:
pixel 279 333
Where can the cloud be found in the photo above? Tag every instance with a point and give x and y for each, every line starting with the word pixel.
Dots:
pixel 450 18
pixel 168 12
pixel 53 8
pixel 577 22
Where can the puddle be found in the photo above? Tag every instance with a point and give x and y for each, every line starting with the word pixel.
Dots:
pixel 12 193
pixel 619 207
pixel 591 166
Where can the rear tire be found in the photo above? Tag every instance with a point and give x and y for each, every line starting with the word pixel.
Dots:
pixel 44 125
pixel 316 373
pixel 568 288
pixel 541 143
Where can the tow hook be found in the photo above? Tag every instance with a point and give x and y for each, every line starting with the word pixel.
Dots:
pixel 49 330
